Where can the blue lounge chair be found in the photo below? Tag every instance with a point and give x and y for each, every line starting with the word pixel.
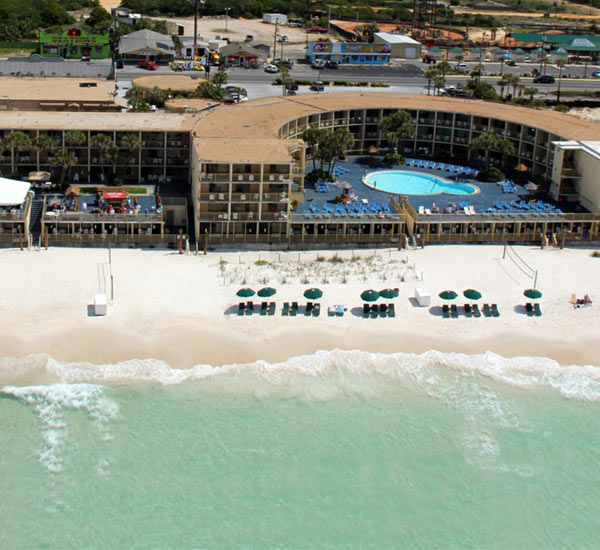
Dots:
pixel 386 209
pixel 307 213
pixel 441 166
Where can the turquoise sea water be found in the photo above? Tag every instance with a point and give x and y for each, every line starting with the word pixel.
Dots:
pixel 414 183
pixel 335 450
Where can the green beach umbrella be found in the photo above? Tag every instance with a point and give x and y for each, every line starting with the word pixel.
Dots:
pixel 369 296
pixel 313 293
pixel 448 295
pixel 532 293
pixel 245 292
pixel 388 293
pixel 266 292
pixel 472 294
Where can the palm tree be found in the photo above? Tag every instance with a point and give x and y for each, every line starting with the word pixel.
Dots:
pixel 340 142
pixel 75 138
pixel 396 126
pixel 530 91
pixel 514 81
pixel 503 83
pixel 491 141
pixel 430 74
pixel 219 78
pixel 64 159
pixel 45 144
pixel 284 77
pixel 16 142
pixel 443 67
pixel 367 31
pixel 107 150
pixel 311 137
pixel 208 90
pixel 560 63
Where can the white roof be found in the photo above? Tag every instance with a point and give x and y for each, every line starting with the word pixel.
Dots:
pixel 13 192
pixel 395 38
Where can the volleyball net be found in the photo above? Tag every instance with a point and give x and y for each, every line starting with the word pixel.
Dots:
pixel 511 254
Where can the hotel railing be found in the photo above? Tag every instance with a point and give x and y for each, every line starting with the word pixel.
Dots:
pixel 71 217
pixel 136 238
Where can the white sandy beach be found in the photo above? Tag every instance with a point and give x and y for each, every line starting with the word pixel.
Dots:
pixel 182 308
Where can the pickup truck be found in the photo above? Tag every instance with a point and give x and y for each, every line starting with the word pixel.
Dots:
pixel 150 65
pixel 316 29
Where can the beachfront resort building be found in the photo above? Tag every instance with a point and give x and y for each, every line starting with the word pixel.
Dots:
pixel 243 167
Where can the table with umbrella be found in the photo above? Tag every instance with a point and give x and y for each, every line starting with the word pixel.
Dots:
pixel 266 292
pixel 472 310
pixel 313 294
pixel 448 311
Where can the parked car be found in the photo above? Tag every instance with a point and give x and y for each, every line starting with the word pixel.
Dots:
pixel 462 67
pixel 318 64
pixel 146 64
pixel 235 90
pixel 271 69
pixel 544 79
pixel 249 38
pixel 316 29
pixel 331 64
pixel 283 38
pixel 294 24
pixel 119 63
pixel 291 86
pixel 596 74
pixel 317 86
pixel 284 62
pixel 429 60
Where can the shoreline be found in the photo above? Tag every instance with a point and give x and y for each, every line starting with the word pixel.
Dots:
pixel 185 346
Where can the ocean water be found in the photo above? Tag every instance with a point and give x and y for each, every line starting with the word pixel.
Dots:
pixel 334 450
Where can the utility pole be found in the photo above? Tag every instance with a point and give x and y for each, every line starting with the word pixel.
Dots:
pixel 226 17
pixel 275 40
pixel 329 19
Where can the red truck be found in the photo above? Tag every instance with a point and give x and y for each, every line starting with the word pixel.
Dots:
pixel 316 29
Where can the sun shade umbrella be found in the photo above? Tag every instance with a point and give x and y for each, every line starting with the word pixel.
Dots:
pixel 245 292
pixel 521 168
pixel 532 293
pixel 388 293
pixel 266 292
pixel 472 294
pixel 369 296
pixel 313 293
pixel 448 295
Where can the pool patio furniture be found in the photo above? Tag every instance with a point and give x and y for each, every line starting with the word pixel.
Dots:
pixel 249 308
pixel 468 310
pixel 383 310
pixel 286 308
pixel 476 312
pixel 308 309
pixel 241 308
pixel 529 309
pixel 374 311
pixel 537 310
pixel 263 308
pixel 487 312
pixel 446 311
pixel 294 309
pixel 495 311
pixel 272 308
pixel 316 309
pixel 366 310
pixel 454 311
pixel 391 310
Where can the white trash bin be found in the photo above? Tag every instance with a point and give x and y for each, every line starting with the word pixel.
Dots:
pixel 423 297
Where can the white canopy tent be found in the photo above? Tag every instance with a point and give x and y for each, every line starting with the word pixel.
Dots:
pixel 13 192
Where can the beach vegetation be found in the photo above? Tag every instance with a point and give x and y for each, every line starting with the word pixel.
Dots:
pixel 491 141
pixel 261 262
pixel 320 259
pixel 210 90
pixel 318 175
pixel 75 138
pixel 336 259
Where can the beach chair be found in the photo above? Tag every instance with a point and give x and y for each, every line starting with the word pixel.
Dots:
pixel 374 311
pixel 529 309
pixel 241 308
pixel 316 309
pixel 495 311
pixel 308 309
pixel 468 310
pixel 263 308
pixel 441 166
pixel 383 310
pixel 294 309
pixel 476 312
pixel 391 310
pixel 421 209
pixel 487 312
pixel 286 309
pixel 272 308
pixel 536 310
pixel 446 311
pixel 366 310
pixel 454 311
pixel 249 308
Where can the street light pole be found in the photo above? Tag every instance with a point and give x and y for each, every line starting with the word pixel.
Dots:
pixel 195 30
pixel 226 17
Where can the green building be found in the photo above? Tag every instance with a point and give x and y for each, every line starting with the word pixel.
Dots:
pixel 74 43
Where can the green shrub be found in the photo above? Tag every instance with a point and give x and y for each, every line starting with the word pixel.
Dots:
pixel 491 175
pixel 561 108
pixel 362 83
pixel 319 175
pixel 393 159
pixel 379 85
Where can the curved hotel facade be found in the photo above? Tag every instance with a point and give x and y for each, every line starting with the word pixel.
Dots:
pixel 244 166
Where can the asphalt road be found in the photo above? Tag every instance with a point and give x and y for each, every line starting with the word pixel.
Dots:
pixel 406 75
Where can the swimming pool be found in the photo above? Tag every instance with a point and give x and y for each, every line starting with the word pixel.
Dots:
pixel 403 182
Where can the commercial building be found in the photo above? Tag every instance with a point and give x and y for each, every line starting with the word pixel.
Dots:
pixel 349 53
pixel 241 54
pixel 146 44
pixel 74 43
pixel 272 18
pixel 401 45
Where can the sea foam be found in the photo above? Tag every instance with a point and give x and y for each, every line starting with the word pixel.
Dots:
pixel 327 375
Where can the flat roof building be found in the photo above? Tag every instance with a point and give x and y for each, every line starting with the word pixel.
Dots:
pixel 147 44
pixel 74 43
pixel 401 45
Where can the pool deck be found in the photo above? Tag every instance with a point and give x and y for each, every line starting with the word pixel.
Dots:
pixel 489 195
